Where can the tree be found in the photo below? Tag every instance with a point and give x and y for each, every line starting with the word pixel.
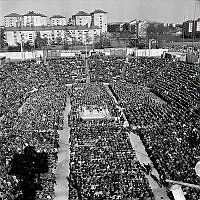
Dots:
pixel 105 42
pixel 58 40
pixel 98 45
pixel 44 41
pixel 15 48
pixel 40 42
pixel 126 27
pixel 65 46
pixel 28 46
pixel 2 38
pixel 96 38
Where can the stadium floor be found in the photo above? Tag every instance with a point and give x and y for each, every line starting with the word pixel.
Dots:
pixel 63 170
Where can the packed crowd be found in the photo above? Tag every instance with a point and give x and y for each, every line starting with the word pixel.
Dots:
pixel 68 71
pixel 161 102
pixel 178 83
pixel 101 156
pixel 35 125
pixel 169 129
pixel 32 101
pixel 138 70
pixel 105 69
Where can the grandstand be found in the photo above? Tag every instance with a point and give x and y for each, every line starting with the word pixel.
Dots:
pixel 159 97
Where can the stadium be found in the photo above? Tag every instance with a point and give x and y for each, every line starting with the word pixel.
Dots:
pixel 112 128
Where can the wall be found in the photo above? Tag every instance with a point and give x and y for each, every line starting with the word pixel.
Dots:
pixel 69 53
pixel 19 55
pixel 146 52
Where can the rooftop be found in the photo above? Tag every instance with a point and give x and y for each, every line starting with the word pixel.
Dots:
pixel 57 16
pixel 82 27
pixel 98 11
pixel 44 28
pixel 35 28
pixel 13 15
pixel 94 27
pixel 82 13
pixel 32 13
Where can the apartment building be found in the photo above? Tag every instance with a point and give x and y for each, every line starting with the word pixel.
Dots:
pixel 31 19
pixel 99 18
pixel 82 34
pixel 77 34
pixel 15 35
pixel 191 28
pixel 138 27
pixel 58 20
pixel 82 18
pixel 13 20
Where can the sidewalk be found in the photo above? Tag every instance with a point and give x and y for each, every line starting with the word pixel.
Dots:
pixel 143 158
pixel 62 170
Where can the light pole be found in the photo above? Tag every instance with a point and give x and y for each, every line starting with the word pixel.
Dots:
pixel 157 39
pixel 176 188
pixel 150 40
pixel 21 45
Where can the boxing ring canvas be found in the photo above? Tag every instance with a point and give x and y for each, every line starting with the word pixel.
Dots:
pixel 94 114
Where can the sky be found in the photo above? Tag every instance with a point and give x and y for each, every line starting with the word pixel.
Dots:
pixel 170 11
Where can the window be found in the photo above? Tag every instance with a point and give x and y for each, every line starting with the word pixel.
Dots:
pixel 198 25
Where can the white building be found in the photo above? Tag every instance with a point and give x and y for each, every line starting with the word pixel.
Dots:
pixel 82 34
pixel 13 20
pixel 76 34
pixel 142 28
pixel 82 18
pixel 58 20
pixel 190 26
pixel 15 35
pixel 138 27
pixel 99 18
pixel 34 19
pixel 198 25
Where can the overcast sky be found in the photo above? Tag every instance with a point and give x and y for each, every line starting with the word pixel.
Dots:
pixel 172 11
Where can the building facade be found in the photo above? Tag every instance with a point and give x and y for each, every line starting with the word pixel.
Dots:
pixel 191 29
pixel 83 27
pixel 58 20
pixel 138 27
pixel 188 29
pixel 82 34
pixel 13 20
pixel 15 35
pixel 142 28
pixel 34 19
pixel 53 34
pixel 82 19
pixel 99 18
